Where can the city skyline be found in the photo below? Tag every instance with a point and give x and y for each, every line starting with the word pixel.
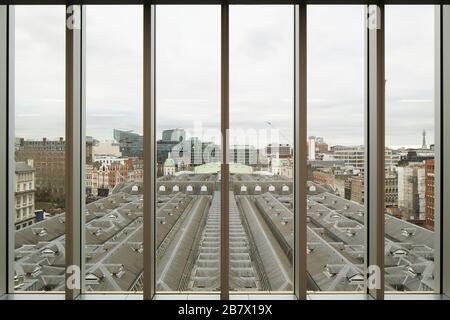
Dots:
pixel 418 145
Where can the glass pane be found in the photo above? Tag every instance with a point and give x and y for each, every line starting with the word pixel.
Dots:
pixel 39 200
pixel 188 152
pixel 261 155
pixel 336 231
pixel 409 228
pixel 114 148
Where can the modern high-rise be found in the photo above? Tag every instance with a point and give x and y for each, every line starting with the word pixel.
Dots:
pixel 354 156
pixel 351 156
pixel 411 190
pixel 131 144
pixel 284 150
pixel 176 135
pixel 243 154
pixel 312 148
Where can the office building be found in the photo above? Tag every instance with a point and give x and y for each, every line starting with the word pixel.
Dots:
pixel 24 194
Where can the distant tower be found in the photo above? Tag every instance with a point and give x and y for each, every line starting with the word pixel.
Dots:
pixel 424 141
pixel 312 148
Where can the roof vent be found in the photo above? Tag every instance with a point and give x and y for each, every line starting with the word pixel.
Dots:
pixel 399 252
pixel 357 278
pixel 41 232
pixel 408 232
pixel 330 271
pixel 47 252
pixel 410 271
pixel 309 249
pixel 118 271
pixel 91 278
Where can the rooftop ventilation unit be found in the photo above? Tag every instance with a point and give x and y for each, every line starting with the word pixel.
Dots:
pixel 33 271
pixel 410 271
pixel 399 252
pixel 91 278
pixel 47 252
pixel 139 249
pixel 112 216
pixel 118 272
pixel 41 232
pixel 330 271
pixel 356 279
pixel 408 232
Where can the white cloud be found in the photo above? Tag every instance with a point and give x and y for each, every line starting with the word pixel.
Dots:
pixel 261 70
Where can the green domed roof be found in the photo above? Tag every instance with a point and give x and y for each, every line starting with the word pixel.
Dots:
pixel 169 163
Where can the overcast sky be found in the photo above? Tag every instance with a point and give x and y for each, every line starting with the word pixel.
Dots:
pixel 261 72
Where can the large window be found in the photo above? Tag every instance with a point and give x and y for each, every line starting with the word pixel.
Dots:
pixel 114 149
pixel 188 148
pixel 261 209
pixel 196 87
pixel 39 168
pixel 410 125
pixel 336 150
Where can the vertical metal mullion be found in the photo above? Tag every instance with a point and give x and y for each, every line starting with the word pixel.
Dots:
pixel 438 147
pixel 444 175
pixel 6 149
pixel 375 148
pixel 149 151
pixel 3 148
pixel 74 150
pixel 300 150
pixel 225 176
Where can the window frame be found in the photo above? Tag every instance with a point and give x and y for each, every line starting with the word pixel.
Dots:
pixel 374 137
